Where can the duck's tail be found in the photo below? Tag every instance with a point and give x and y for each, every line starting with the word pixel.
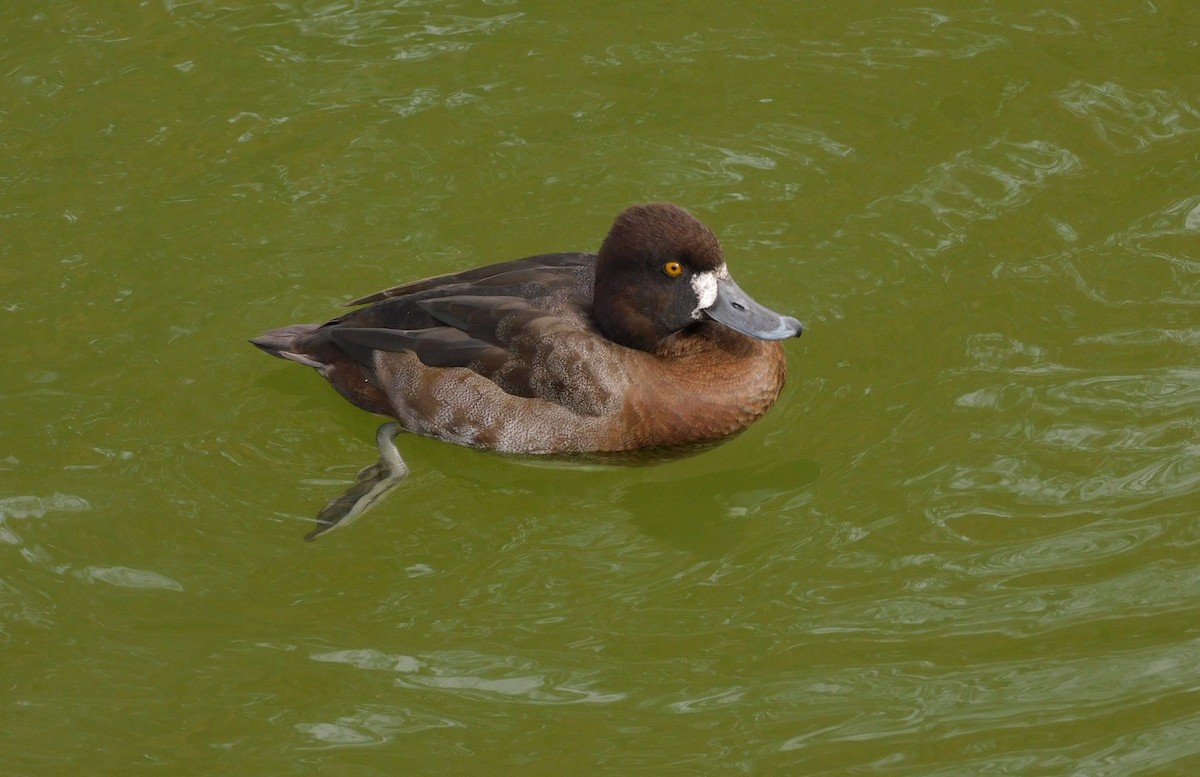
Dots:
pixel 284 342
pixel 305 344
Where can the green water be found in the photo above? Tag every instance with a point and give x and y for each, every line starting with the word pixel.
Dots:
pixel 964 542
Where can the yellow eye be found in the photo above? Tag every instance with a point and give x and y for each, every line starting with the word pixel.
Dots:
pixel 673 269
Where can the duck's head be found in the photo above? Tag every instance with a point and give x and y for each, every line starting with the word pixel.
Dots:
pixel 661 270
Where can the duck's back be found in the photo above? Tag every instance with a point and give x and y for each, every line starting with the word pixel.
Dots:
pixel 561 283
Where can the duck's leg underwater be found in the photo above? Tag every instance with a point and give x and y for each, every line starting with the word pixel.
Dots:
pixel 371 485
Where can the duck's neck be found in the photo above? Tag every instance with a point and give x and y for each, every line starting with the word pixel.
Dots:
pixel 627 325
pixel 624 315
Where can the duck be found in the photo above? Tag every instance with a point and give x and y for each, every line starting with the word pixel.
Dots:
pixel 648 343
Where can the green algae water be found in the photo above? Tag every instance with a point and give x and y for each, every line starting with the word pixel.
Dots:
pixel 964 542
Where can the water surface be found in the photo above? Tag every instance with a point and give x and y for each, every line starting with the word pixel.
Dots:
pixel 964 542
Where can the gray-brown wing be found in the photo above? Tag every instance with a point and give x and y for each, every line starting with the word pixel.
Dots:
pixel 560 357
pixel 525 350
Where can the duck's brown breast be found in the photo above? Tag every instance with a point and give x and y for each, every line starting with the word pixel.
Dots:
pixel 714 387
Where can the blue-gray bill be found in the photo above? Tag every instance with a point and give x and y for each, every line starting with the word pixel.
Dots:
pixel 739 311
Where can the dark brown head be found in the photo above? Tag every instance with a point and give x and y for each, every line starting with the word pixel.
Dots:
pixel 660 270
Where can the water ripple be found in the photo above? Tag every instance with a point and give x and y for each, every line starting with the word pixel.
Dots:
pixel 473 674
pixel 974 186
pixel 412 34
pixel 372 725
pixel 1131 120
pixel 944 702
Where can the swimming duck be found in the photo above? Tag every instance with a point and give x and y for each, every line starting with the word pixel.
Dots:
pixel 647 343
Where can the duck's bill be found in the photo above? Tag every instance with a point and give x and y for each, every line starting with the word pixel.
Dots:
pixel 737 310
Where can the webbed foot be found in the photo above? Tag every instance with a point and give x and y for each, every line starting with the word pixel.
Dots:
pixel 371 485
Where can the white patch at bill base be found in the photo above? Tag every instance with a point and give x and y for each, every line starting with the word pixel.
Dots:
pixel 705 286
